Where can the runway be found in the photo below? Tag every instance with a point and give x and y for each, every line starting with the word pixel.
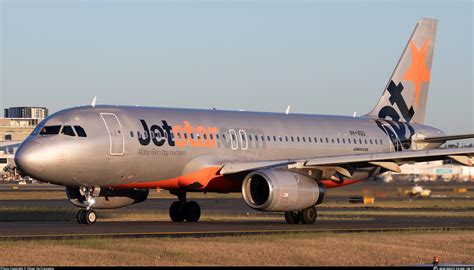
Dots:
pixel 55 219
pixel 245 225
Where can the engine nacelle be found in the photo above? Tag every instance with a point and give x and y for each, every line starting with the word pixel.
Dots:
pixel 278 190
pixel 108 198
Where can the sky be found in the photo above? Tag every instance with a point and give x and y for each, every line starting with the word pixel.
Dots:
pixel 322 57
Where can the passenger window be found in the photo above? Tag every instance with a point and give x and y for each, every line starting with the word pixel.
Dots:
pixel 315 139
pixel 274 138
pixel 327 140
pixel 280 139
pixel 343 140
pixel 360 141
pixel 50 130
pixel 250 137
pixel 376 142
pixel 338 140
pixel 185 135
pixel 355 141
pixel 309 139
pixel 131 132
pixel 68 131
pixel 286 138
pixel 370 141
pixel 332 140
pixel 268 138
pixel 298 138
pixel 381 142
pixel 256 137
pixel 304 139
pixel 82 133
pixel 211 137
pixel 292 139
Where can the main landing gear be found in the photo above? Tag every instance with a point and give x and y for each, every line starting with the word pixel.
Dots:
pixel 183 210
pixel 305 216
pixel 87 216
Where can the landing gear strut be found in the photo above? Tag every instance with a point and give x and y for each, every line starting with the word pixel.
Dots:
pixel 305 216
pixel 88 216
pixel 183 210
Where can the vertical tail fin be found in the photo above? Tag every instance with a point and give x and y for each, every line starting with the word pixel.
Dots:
pixel 404 98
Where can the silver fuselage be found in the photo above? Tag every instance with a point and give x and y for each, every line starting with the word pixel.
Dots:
pixel 119 151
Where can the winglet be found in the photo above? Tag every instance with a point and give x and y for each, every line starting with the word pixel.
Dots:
pixel 288 110
pixel 93 101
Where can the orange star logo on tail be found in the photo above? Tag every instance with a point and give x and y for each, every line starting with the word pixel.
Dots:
pixel 418 72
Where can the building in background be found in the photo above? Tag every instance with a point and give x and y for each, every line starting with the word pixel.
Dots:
pixel 19 122
pixel 26 112
pixel 16 129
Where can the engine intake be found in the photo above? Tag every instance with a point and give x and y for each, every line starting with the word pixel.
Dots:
pixel 278 190
pixel 108 198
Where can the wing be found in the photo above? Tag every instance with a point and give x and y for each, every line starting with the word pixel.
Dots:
pixel 443 139
pixel 388 160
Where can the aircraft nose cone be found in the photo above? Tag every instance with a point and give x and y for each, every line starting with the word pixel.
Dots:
pixel 29 158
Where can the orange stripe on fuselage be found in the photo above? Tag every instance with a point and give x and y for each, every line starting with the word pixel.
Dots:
pixel 202 180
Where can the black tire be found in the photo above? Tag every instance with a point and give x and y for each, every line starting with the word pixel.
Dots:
pixel 79 216
pixel 192 211
pixel 90 217
pixel 176 212
pixel 292 217
pixel 308 215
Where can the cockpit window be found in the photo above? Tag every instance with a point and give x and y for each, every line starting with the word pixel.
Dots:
pixel 50 130
pixel 67 130
pixel 80 131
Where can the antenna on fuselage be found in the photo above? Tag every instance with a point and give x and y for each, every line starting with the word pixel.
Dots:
pixel 93 101
pixel 288 109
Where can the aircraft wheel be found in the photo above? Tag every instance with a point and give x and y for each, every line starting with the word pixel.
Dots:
pixel 308 215
pixel 292 217
pixel 192 211
pixel 176 212
pixel 79 216
pixel 90 217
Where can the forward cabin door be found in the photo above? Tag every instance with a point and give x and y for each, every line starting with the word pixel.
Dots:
pixel 114 129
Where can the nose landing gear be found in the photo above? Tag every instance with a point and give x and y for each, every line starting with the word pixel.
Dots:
pixel 88 216
pixel 183 210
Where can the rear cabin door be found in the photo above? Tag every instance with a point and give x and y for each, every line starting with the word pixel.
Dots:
pixel 114 129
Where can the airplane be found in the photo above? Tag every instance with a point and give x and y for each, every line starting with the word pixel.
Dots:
pixel 110 156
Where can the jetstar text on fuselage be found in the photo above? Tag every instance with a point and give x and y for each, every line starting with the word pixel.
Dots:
pixel 183 135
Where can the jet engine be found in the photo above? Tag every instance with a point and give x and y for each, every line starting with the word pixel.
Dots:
pixel 108 198
pixel 278 190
